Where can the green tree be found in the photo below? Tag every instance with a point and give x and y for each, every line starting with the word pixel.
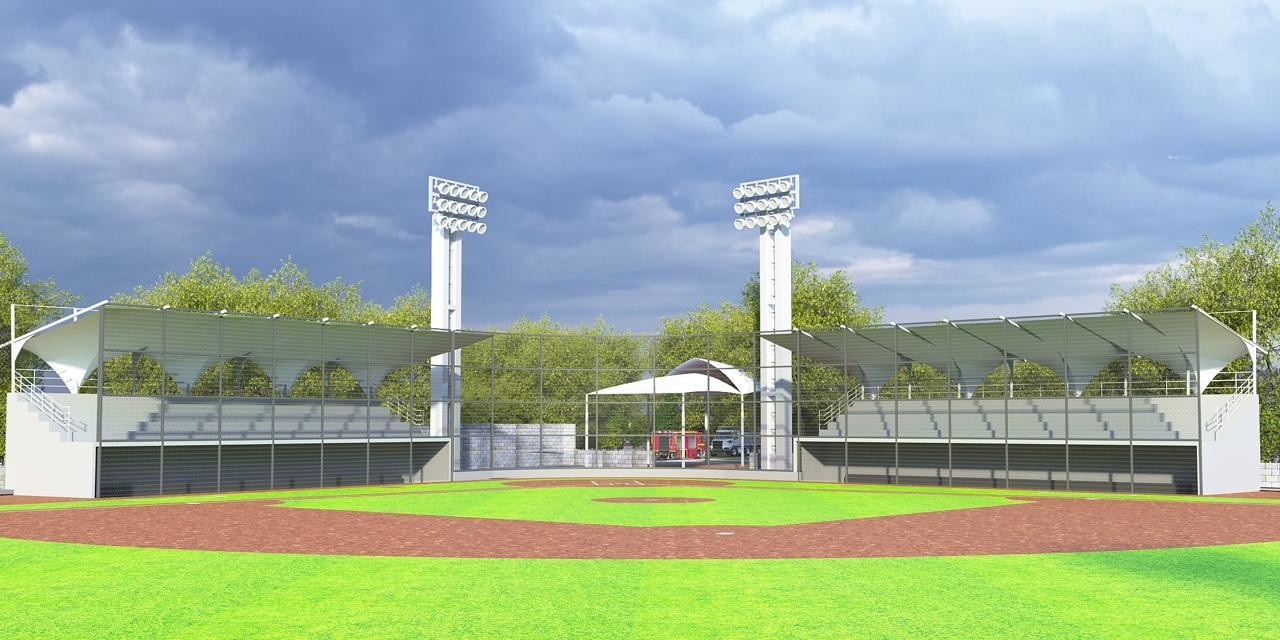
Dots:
pixel 17 287
pixel 288 290
pixel 917 380
pixel 1241 275
pixel 727 333
pixel 542 370
pixel 817 301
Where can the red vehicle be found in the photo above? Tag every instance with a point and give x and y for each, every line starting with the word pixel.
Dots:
pixel 667 445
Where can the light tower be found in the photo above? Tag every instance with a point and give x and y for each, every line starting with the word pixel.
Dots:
pixel 769 205
pixel 455 208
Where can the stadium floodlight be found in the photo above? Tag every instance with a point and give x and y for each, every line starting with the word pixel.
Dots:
pixel 767 203
pixel 455 208
pixel 454 204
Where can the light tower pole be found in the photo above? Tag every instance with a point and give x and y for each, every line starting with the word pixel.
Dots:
pixel 769 205
pixel 455 208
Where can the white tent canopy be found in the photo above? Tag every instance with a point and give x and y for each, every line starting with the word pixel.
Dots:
pixel 693 376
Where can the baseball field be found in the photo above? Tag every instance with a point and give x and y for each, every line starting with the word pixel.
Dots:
pixel 641 559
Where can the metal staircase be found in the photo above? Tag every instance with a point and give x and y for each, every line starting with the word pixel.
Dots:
pixel 1240 387
pixel 832 411
pixel 56 414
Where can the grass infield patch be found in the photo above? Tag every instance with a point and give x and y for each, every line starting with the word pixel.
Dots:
pixel 728 505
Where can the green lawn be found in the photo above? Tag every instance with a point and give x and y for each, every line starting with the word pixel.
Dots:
pixel 500 484
pixel 259 495
pixel 53 590
pixel 730 506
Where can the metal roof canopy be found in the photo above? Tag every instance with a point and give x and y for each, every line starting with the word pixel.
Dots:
pixel 1075 346
pixel 192 341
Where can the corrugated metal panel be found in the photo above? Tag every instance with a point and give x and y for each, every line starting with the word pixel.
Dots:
pixel 923 464
pixel 871 462
pixel 129 471
pixel 1038 466
pixel 191 469
pixel 246 467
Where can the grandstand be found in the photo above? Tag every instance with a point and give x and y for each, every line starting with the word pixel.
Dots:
pixel 134 400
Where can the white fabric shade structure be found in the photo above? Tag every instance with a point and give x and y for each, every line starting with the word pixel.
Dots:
pixel 186 343
pixel 693 376
pixel 1075 346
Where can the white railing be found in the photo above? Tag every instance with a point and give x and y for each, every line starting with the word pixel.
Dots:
pixel 58 415
pixel 1238 385
pixel 832 411
pixel 1233 383
pixel 416 416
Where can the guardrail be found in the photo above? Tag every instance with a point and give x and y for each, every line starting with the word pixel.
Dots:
pixel 58 415
pixel 1232 383
pixel 415 415
pixel 1242 386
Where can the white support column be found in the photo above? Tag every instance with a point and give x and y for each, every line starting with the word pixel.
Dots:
pixel 455 207
pixel 446 313
pixel 769 205
pixel 13 348
pixel 775 361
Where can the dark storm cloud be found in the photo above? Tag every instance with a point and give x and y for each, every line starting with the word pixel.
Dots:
pixel 402 61
pixel 959 159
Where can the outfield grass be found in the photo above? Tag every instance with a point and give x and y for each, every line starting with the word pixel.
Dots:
pixel 52 590
pixel 730 506
pixel 1013 493
pixel 501 484
pixel 259 495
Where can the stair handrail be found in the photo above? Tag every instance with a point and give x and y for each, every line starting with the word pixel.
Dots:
pixel 58 414
pixel 414 415
pixel 831 411
pixel 1242 386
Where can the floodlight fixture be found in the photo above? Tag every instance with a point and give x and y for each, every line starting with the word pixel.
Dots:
pixel 455 205
pixel 769 203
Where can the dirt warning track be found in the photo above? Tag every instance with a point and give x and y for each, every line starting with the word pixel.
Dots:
pixel 1038 525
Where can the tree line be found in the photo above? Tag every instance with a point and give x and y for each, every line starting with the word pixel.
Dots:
pixel 553 361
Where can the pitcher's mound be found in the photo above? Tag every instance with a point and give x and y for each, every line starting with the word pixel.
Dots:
pixel 652 499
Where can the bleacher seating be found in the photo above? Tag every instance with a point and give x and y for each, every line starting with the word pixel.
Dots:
pixel 1029 418
pixel 197 419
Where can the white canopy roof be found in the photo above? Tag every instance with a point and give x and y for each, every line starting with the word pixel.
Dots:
pixel 695 375
pixel 1075 346
pixel 189 342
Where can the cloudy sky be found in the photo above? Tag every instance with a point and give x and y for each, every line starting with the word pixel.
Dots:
pixel 959 159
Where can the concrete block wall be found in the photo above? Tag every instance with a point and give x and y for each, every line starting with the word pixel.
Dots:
pixel 1271 475
pixel 515 446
